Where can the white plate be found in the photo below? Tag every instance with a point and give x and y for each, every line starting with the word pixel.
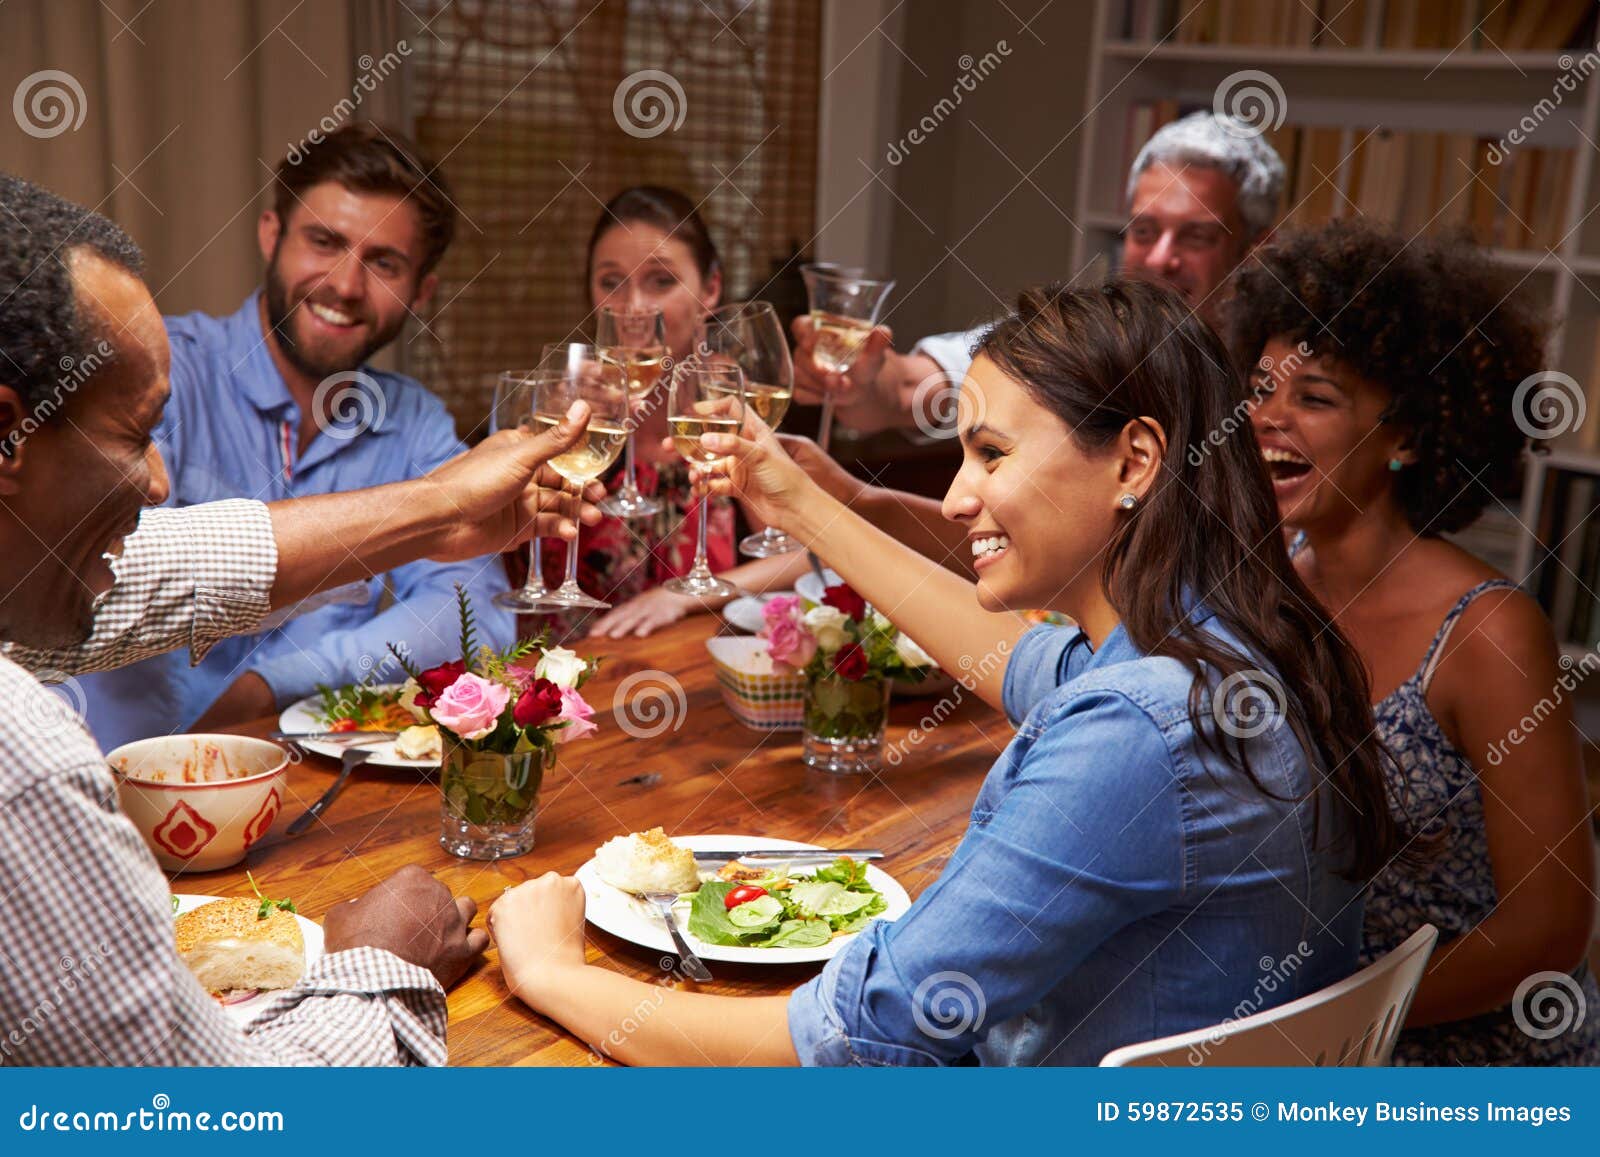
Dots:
pixel 306 716
pixel 745 612
pixel 622 915
pixel 245 1011
pixel 810 588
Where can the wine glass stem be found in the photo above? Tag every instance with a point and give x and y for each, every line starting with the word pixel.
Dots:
pixel 535 567
pixel 630 477
pixel 700 539
pixel 825 428
pixel 572 555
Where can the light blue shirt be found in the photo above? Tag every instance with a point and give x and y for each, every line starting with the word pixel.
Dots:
pixel 231 430
pixel 1118 882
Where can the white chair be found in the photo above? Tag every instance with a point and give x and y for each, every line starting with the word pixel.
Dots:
pixel 1351 1023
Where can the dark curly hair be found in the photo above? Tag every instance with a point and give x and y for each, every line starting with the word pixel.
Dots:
pixel 1435 322
pixel 44 327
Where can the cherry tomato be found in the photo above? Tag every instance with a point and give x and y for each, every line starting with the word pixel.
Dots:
pixel 343 725
pixel 743 894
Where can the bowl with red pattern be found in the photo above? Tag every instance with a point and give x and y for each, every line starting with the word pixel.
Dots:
pixel 201 801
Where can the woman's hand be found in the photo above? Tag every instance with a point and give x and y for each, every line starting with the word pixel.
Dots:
pixel 538 927
pixel 644 614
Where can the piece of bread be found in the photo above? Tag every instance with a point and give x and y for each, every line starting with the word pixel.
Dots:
pixel 647 862
pixel 229 948
pixel 419 743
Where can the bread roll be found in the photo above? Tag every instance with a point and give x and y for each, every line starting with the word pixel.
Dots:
pixel 647 862
pixel 229 947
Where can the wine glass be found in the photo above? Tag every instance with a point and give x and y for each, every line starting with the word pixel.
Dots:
pixel 750 334
pixel 513 410
pixel 706 397
pixel 577 372
pixel 637 340
pixel 844 308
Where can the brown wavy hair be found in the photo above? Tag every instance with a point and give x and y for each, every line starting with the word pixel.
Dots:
pixel 1208 530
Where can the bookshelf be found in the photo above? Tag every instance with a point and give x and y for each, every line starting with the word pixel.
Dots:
pixel 1389 109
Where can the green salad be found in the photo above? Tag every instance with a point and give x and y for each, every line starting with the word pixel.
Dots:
pixel 783 911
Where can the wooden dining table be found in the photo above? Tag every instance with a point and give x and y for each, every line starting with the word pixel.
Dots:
pixel 703 773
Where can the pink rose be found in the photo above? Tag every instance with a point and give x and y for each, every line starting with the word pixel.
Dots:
pixel 579 716
pixel 789 643
pixel 521 677
pixel 471 706
pixel 785 608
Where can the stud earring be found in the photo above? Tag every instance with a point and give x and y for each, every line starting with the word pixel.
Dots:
pixel 1128 501
pixel 1396 465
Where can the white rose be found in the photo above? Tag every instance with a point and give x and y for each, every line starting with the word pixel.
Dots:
pixel 561 666
pixel 408 699
pixel 878 622
pixel 826 625
pixel 911 654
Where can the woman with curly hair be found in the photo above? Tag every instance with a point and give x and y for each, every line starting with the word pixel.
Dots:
pixel 1384 372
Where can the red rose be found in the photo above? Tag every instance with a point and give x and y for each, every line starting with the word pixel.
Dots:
pixel 851 662
pixel 538 705
pixel 436 680
pixel 841 598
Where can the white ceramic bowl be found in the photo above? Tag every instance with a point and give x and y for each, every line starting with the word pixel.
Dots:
pixel 201 801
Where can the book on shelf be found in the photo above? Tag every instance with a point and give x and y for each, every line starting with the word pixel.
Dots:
pixel 1400 25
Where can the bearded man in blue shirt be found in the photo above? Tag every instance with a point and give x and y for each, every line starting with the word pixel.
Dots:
pixel 277 401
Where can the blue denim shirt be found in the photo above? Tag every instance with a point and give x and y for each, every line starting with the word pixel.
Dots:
pixel 1118 882
pixel 231 430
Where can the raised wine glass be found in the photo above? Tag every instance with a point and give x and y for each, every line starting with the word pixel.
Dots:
pixel 750 334
pixel 636 339
pixel 844 308
pixel 513 410
pixel 706 397
pixel 576 372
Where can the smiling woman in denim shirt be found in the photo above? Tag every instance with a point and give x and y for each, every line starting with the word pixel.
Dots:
pixel 1193 795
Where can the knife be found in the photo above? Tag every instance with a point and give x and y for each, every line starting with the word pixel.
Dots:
pixel 332 736
pixel 783 855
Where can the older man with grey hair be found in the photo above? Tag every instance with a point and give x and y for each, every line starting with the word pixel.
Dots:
pixel 1203 191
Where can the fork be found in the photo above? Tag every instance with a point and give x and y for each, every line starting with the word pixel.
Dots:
pixel 663 903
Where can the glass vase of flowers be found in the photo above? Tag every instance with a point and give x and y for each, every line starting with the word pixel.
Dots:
pixel 848 653
pixel 501 716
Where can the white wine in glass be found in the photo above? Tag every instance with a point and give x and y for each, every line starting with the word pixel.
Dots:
pixel 839 340
pixel 513 410
pixel 636 340
pixel 749 335
pixel 577 372
pixel 704 398
pixel 593 455
pixel 844 309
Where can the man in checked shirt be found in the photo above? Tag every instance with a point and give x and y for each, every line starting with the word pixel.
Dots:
pixel 90 579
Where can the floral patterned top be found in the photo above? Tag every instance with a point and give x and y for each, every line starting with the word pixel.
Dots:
pixel 619 558
pixel 1437 788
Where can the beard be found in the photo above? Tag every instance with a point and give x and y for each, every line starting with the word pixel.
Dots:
pixel 314 363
